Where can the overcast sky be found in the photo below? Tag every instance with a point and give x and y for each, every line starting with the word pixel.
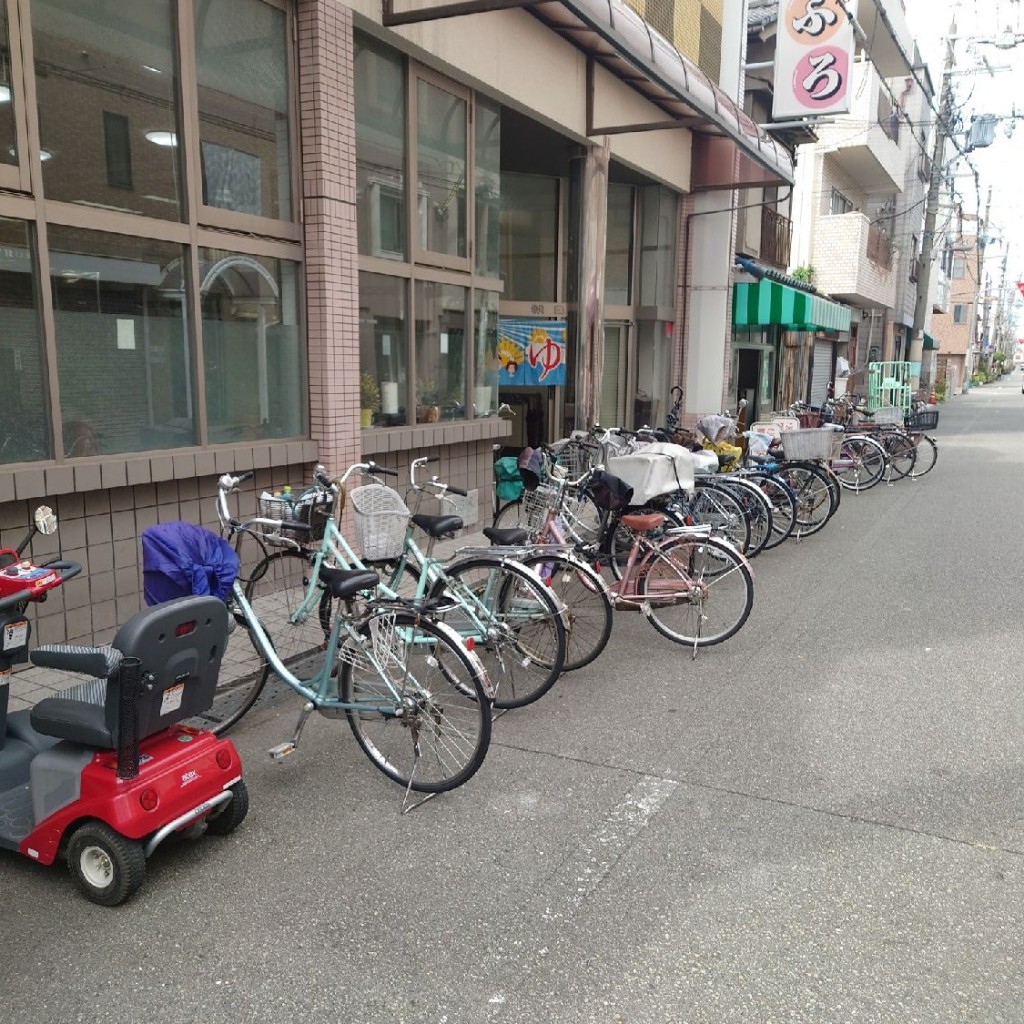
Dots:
pixel 1001 165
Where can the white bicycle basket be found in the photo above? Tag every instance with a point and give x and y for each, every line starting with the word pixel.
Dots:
pixel 381 518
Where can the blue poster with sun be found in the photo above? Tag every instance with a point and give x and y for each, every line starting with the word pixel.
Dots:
pixel 531 352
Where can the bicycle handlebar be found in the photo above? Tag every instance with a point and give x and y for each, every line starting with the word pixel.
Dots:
pixel 441 488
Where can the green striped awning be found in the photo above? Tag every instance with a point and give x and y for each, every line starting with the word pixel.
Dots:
pixel 768 302
pixel 930 344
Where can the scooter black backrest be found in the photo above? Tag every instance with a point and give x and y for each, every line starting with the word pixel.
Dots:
pixel 180 645
pixel 165 660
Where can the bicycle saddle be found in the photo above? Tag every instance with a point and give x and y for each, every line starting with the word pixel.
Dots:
pixel 437 526
pixel 345 583
pixel 643 523
pixel 508 537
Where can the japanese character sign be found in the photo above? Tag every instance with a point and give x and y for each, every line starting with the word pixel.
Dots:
pixel 531 351
pixel 813 57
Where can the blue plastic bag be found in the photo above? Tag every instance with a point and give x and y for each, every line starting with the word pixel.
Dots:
pixel 181 559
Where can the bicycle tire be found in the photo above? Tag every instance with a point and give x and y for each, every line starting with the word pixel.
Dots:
pixel 620 537
pixel 863 462
pixel 815 498
pixel 523 642
pixel 784 507
pixel 713 504
pixel 757 511
pixel 902 453
pixel 509 515
pixel 447 695
pixel 710 567
pixel 927 455
pixel 275 588
pixel 586 599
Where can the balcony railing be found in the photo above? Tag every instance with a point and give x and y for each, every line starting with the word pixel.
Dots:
pixel 776 233
pixel 879 247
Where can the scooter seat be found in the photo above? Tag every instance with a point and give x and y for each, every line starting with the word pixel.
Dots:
pixel 73 720
pixel 19 727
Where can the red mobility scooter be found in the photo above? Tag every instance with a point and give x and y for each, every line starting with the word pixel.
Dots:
pixel 103 772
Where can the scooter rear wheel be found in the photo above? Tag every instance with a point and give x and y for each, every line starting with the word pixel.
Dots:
pixel 107 866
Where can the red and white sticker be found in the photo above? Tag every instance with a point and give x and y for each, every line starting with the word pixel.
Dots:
pixel 15 634
pixel 172 698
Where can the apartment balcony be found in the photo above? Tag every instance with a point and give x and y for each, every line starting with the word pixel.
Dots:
pixel 776 235
pixel 853 261
pixel 938 291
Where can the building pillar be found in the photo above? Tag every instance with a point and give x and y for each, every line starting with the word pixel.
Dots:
pixel 327 127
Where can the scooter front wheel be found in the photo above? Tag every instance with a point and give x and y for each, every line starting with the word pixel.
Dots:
pixel 107 866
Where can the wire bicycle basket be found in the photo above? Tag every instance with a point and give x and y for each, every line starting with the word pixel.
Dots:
pixel 381 518
pixel 313 508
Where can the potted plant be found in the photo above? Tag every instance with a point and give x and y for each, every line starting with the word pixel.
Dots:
pixel 369 399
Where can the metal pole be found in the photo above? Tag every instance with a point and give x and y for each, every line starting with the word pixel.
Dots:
pixel 935 179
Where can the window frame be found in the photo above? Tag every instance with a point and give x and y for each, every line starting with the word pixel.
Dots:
pixel 18 177
pixel 833 196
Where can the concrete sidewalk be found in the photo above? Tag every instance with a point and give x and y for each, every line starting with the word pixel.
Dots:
pixel 31 684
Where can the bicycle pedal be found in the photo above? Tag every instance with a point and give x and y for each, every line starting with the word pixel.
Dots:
pixel 282 750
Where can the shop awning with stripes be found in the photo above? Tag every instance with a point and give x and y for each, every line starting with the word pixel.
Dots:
pixel 768 302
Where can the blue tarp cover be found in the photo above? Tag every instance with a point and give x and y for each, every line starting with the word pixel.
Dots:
pixel 181 559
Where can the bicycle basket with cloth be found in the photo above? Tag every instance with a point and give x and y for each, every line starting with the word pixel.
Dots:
pixel 312 508
pixel 508 483
pixel 660 468
pixel 609 492
pixel 181 559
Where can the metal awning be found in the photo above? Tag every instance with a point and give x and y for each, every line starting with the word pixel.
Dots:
pixel 930 344
pixel 729 150
pixel 767 302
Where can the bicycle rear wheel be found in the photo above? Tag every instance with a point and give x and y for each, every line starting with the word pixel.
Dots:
pixel 699 592
pixel 757 510
pixel 902 454
pixel 814 496
pixel 861 463
pixel 586 600
pixel 422 715
pixel 714 505
pixel 275 589
pixel 514 622
pixel 784 507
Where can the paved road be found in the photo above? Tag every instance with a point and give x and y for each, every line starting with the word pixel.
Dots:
pixel 820 821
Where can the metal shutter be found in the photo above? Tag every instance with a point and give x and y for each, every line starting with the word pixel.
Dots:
pixel 821 371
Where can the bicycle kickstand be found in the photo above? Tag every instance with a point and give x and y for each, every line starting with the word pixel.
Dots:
pixel 282 750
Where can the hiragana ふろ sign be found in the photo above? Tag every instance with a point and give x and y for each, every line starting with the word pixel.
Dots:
pixel 813 57
pixel 531 352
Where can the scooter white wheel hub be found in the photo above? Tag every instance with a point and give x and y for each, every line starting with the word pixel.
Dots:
pixel 97 867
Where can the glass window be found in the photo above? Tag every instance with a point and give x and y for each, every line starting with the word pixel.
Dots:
pixel 122 342
pixel 959 268
pixel 440 352
pixel 24 414
pixel 960 313
pixel 382 351
pixel 242 71
pixel 488 186
pixel 252 346
pixel 658 247
pixel 380 149
pixel 838 203
pixel 653 372
pixel 485 354
pixel 441 154
pixel 8 135
pixel 529 237
pixel 107 88
pixel 619 245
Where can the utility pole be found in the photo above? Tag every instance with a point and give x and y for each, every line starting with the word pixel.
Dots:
pixel 980 242
pixel 935 180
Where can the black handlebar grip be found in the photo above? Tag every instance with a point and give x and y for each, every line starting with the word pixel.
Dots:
pixel 384 471
pixel 247 475
pixel 67 570
pixel 458 490
pixel 322 478
pixel 432 458
pixel 12 599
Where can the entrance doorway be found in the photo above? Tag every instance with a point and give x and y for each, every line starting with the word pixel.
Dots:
pixel 753 376
pixel 612 404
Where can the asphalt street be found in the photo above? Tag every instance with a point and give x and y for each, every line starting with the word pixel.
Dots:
pixel 819 821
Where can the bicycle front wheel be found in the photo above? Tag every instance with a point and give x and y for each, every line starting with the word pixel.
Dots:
pixel 815 500
pixel 421 711
pixel 861 463
pixel 697 591
pixel 588 606
pixel 514 622
pixel 927 455
pixel 902 454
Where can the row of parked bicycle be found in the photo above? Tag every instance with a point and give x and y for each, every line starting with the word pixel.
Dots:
pixel 415 651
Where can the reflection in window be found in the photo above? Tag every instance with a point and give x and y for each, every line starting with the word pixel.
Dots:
pixel 382 350
pixel 242 70
pixel 8 137
pixel 440 352
pixel 24 435
pixel 653 372
pixel 107 91
pixel 252 347
pixel 529 237
pixel 380 149
pixel 488 186
pixel 441 168
pixel 485 355
pixel 658 247
pixel 122 342
pixel 619 247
